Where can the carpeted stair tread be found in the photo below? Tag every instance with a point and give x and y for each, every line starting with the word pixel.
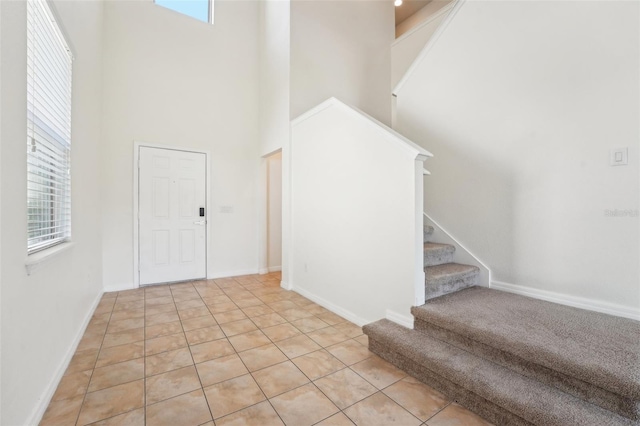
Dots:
pixel 438 247
pixel 599 349
pixel 437 254
pixel 480 380
pixel 447 278
pixel 616 403
pixel 449 270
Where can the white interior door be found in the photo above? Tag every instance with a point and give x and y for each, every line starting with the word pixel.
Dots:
pixel 172 217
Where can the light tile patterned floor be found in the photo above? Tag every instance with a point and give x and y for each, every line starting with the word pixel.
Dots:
pixel 235 351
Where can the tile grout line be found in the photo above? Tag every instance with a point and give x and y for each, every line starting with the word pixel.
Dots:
pixel 123 331
pixel 450 401
pixel 342 410
pixel 191 353
pixel 257 290
pixel 318 378
pixel 144 307
pixel 97 356
pixel 109 365
pixel 144 353
pixel 289 359
pixel 267 399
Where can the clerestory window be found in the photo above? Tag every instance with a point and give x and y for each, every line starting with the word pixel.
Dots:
pixel 198 9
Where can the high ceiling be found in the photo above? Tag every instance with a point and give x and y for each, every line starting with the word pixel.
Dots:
pixel 408 8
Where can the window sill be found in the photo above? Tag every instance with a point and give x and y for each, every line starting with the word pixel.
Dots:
pixel 35 260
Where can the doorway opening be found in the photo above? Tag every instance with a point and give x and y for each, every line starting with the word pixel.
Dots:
pixel 274 212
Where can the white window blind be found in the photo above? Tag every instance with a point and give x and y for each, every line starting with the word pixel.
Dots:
pixel 48 130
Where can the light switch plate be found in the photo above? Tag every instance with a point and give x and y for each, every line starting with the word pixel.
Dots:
pixel 619 157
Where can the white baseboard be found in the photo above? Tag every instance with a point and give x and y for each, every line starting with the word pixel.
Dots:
pixel 236 273
pixel 565 299
pixel 270 269
pixel 403 320
pixel 45 399
pixel 344 313
pixel 285 285
pixel 211 276
pixel 119 287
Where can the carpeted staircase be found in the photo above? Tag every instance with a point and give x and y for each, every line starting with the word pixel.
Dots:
pixel 516 360
pixel 442 275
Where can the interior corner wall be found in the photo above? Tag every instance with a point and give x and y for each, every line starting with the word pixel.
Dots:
pixel 521 103
pixel 172 80
pixel 342 49
pixel 420 16
pixel 1 214
pixel 406 49
pixel 43 313
pixel 274 51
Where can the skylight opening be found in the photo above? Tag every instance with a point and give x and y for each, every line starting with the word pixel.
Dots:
pixel 201 10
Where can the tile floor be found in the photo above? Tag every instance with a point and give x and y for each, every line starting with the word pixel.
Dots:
pixel 235 351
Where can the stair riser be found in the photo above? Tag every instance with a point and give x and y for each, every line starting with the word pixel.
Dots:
pixel 499 394
pixel 595 348
pixel 489 411
pixel 593 394
pixel 427 233
pixel 438 257
pixel 445 285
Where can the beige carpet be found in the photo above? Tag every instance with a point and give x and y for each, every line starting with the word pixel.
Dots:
pixel 520 360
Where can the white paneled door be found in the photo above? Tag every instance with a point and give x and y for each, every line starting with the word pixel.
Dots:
pixel 172 215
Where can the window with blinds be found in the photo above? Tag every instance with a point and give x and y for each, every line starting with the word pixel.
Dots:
pixel 48 130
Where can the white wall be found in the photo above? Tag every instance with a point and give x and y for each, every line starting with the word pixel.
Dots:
pixel 342 49
pixel 407 47
pixel 274 48
pixel 175 81
pixel 356 218
pixel 1 138
pixel 274 63
pixel 274 164
pixel 43 314
pixel 520 103
pixel 420 16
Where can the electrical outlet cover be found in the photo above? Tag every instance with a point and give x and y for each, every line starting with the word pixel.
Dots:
pixel 619 157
